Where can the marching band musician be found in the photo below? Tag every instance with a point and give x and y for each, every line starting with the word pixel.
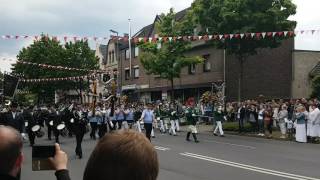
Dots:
pixel 93 123
pixel 53 120
pixel 14 118
pixel 136 116
pixel 119 114
pixel 31 121
pixel 219 117
pixel 160 115
pixel 173 117
pixel 129 116
pixel 79 128
pixel 148 119
pixel 192 118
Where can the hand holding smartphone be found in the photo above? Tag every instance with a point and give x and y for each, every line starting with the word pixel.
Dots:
pixel 40 157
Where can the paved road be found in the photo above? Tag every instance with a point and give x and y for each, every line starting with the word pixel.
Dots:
pixel 232 157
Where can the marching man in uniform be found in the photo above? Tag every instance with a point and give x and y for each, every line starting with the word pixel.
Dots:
pixel 219 117
pixel 192 118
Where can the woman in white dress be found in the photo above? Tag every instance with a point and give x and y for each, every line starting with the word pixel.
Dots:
pixel 300 121
pixel 314 122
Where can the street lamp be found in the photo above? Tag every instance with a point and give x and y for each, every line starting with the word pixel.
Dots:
pixel 118 59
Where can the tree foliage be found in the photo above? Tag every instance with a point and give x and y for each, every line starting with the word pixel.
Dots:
pixel 243 16
pixel 168 60
pixel 51 52
pixel 315 85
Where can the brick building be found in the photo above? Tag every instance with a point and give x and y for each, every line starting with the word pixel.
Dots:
pixel 268 73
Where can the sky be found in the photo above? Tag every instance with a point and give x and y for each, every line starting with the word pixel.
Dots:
pixel 97 17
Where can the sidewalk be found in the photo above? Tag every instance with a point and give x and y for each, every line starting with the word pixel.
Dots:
pixel 208 129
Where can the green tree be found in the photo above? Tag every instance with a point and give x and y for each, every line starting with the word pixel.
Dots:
pixel 168 60
pixel 315 85
pixel 51 52
pixel 243 16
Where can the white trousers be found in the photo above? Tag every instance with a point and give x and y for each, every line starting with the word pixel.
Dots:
pixel 138 126
pixel 177 125
pixel 219 127
pixel 283 128
pixel 162 126
pixel 172 128
pixel 125 125
pixel 301 133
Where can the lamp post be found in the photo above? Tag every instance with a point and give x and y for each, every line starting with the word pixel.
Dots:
pixel 118 59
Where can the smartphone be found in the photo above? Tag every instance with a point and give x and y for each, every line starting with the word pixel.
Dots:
pixel 40 157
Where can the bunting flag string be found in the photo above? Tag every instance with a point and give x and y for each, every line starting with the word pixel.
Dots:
pixel 257 35
pixel 59 67
pixel 75 78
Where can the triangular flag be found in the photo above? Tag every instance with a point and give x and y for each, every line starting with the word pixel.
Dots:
pixel 140 39
pixel 170 39
pixel 150 39
pixel 253 34
pixel 200 37
pixel 160 39
pixel 210 37
pixel 273 34
pixel 220 36
pixel 264 34
pixel 280 33
pixel 269 34
pixel 302 31
pixel 231 36
pixel 226 36
pixel 241 35
pixel 312 31
pixel 237 36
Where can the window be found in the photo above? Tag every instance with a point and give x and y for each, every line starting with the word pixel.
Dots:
pixel 192 69
pixel 112 56
pixel 127 74
pixel 206 63
pixel 127 54
pixel 136 72
pixel 109 58
pixel 136 51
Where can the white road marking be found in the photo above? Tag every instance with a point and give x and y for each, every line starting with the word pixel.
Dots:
pixel 161 148
pixel 231 144
pixel 249 167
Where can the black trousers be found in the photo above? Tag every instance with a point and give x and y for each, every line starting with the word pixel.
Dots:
pixel 79 138
pixel 94 127
pixel 241 125
pixel 56 134
pixel 49 131
pixel 102 130
pixel 31 137
pixel 148 128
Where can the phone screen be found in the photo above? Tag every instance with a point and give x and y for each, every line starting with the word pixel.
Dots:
pixel 40 157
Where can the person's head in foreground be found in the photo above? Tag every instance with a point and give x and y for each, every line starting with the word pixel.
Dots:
pixel 11 157
pixel 123 155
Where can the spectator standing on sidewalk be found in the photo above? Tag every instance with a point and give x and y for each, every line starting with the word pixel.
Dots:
pixel 300 121
pixel 267 118
pixel 283 118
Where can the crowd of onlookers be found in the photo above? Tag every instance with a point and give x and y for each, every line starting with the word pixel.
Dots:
pixel 264 116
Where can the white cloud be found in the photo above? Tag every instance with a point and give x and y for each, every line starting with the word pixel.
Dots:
pixel 96 17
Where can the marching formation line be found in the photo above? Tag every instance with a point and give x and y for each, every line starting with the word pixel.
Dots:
pixel 248 167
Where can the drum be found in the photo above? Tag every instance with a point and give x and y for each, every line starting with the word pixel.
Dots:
pixel 62 130
pixel 36 129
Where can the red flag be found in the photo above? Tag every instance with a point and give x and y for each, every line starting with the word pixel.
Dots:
pixel 269 34
pixel 226 36
pixel 280 33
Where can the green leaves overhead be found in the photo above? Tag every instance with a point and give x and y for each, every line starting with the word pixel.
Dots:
pixel 241 16
pixel 51 52
pixel 166 59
